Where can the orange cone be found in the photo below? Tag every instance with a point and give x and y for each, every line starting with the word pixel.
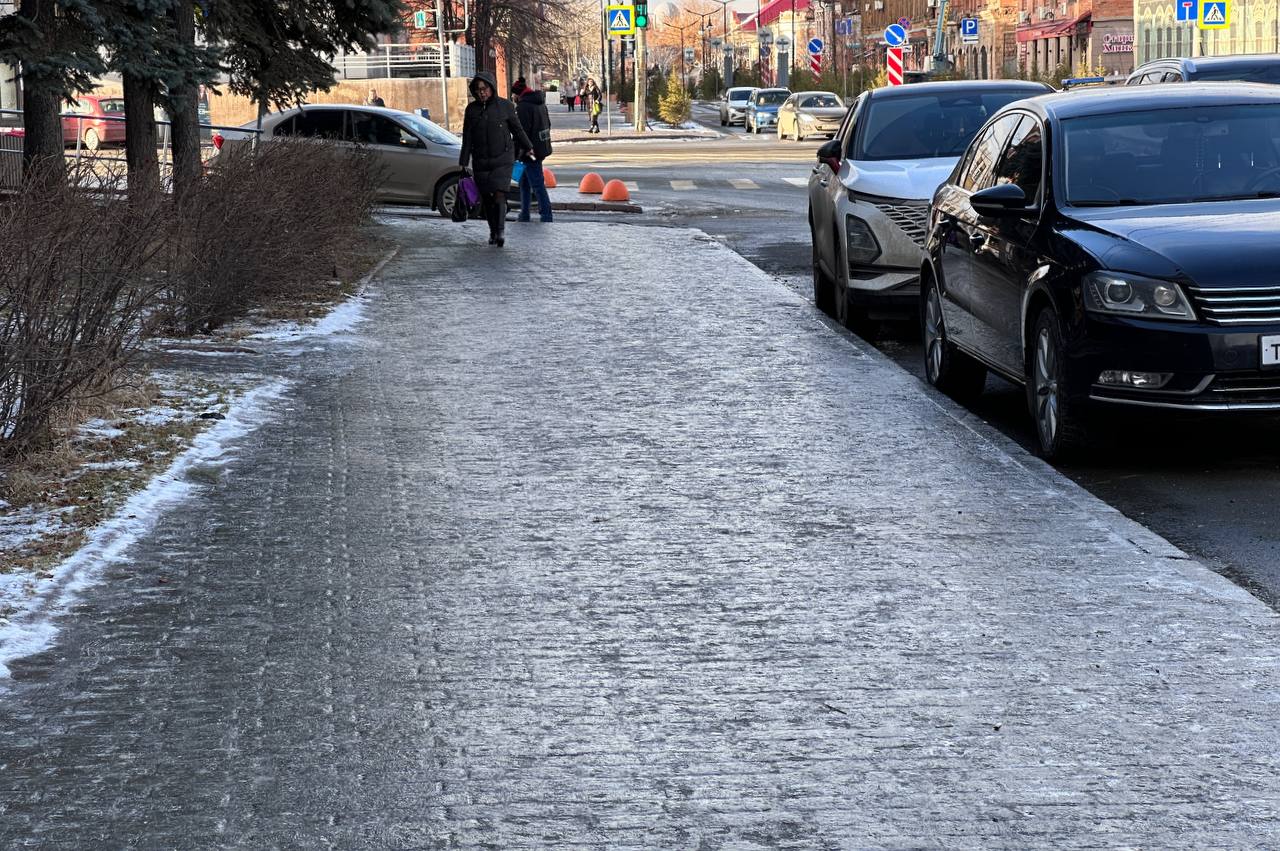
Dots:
pixel 549 176
pixel 616 190
pixel 592 184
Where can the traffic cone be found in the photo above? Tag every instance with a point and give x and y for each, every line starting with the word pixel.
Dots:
pixel 616 190
pixel 549 177
pixel 592 184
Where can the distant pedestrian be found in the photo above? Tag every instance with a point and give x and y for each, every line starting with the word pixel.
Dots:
pixel 531 107
pixel 569 95
pixel 492 140
pixel 596 107
pixel 373 99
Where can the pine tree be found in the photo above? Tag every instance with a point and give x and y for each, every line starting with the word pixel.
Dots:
pixel 676 107
pixel 55 42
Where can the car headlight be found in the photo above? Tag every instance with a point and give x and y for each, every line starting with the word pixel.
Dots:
pixel 1122 294
pixel 860 242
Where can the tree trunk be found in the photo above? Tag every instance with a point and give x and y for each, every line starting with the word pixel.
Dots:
pixel 184 111
pixel 42 104
pixel 140 134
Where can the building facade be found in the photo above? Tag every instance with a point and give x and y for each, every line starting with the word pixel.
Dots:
pixel 1076 37
pixel 1254 28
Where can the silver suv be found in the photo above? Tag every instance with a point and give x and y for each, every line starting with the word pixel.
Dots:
pixel 733 105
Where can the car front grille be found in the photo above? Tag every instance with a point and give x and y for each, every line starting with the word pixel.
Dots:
pixel 1243 388
pixel 911 218
pixel 1238 305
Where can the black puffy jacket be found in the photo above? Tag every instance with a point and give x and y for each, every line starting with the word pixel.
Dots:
pixel 492 137
pixel 532 109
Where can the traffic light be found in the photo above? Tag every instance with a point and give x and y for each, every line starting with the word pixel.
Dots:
pixel 642 15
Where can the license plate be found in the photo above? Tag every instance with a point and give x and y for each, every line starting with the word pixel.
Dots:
pixel 1270 349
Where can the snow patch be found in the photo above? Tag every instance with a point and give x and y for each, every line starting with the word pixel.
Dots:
pixel 31 627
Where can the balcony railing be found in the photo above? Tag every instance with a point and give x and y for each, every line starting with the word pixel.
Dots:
pixel 408 61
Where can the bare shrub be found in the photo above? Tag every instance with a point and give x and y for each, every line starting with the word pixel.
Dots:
pixel 265 224
pixel 76 293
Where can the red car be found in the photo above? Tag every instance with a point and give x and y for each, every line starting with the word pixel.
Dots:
pixel 86 120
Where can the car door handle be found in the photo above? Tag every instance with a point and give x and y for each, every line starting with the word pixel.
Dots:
pixel 978 240
pixel 822 181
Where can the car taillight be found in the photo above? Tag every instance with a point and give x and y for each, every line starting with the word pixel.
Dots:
pixel 218 139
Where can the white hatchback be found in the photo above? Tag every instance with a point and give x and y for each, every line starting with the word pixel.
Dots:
pixel 870 190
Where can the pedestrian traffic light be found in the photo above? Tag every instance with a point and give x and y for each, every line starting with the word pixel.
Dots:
pixel 642 15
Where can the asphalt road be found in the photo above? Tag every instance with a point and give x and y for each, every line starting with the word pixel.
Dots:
pixel 1209 486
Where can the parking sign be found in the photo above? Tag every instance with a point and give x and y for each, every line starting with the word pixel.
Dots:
pixel 969 30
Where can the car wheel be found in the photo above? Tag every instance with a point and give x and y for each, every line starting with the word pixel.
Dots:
pixel 1059 427
pixel 447 196
pixel 823 286
pixel 945 366
pixel 92 140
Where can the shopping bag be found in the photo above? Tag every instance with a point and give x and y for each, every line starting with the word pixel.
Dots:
pixel 517 171
pixel 468 191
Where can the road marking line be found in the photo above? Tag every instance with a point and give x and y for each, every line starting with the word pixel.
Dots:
pixel 743 183
pixel 631 185
pixel 796 181
pixel 683 185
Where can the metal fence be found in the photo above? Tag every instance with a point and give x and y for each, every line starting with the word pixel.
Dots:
pixel 11 141
pixel 408 61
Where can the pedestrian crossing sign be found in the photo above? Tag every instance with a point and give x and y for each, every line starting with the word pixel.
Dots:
pixel 1214 15
pixel 621 20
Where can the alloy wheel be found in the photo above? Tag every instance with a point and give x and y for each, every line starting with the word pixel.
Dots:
pixel 1047 401
pixel 934 336
pixel 448 197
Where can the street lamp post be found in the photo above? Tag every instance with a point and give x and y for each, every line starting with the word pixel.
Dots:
pixel 683 79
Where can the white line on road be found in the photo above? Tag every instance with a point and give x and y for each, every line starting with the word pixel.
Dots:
pixel 631 185
pixel 683 185
pixel 797 181
pixel 743 183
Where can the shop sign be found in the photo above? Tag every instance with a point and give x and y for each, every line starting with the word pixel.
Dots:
pixel 1117 43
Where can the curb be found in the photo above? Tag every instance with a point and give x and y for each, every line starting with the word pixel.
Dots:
pixel 596 207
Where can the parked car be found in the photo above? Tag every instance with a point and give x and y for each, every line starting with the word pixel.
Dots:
pixel 809 113
pixel 1113 248
pixel 418 157
pixel 869 193
pixel 1257 68
pixel 733 105
pixel 762 109
pixel 94 120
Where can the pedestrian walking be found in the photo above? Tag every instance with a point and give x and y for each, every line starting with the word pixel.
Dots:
pixel 531 107
pixel 569 95
pixel 594 98
pixel 492 140
pixel 373 99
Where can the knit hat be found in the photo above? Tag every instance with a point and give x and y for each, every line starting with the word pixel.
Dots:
pixel 519 87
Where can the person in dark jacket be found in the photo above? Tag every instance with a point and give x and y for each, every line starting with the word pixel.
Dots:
pixel 531 106
pixel 492 140
pixel 595 99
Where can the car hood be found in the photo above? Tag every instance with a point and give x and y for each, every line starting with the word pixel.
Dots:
pixel 825 111
pixel 911 179
pixel 1223 243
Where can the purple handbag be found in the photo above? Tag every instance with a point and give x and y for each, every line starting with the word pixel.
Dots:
pixel 469 192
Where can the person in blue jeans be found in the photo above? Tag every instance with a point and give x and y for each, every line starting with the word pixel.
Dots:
pixel 531 108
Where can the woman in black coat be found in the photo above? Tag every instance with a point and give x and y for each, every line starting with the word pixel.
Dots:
pixel 492 140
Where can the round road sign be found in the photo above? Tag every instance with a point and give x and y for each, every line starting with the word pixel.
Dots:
pixel 815 46
pixel 894 35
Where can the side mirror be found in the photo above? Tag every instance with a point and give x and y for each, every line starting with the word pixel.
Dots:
pixel 1007 199
pixel 829 153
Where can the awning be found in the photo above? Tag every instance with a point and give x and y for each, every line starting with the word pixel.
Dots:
pixel 1053 28
pixel 769 12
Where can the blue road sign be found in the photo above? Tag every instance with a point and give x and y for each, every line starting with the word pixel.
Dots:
pixel 620 20
pixel 1214 15
pixel 1188 10
pixel 969 29
pixel 894 35
pixel 815 47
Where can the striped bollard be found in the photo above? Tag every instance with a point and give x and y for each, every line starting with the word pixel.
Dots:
pixel 895 66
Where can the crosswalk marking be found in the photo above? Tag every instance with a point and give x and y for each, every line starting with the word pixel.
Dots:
pixel 683 185
pixel 736 183
pixel 743 183
pixel 631 185
pixel 797 181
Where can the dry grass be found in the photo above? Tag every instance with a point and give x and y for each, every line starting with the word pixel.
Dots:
pixel 63 478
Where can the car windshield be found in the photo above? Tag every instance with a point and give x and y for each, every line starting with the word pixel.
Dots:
pixel 740 95
pixel 924 126
pixel 110 106
pixel 1268 73
pixel 1172 156
pixel 771 98
pixel 429 130
pixel 823 101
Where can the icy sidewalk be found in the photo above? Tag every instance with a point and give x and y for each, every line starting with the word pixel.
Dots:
pixel 606 538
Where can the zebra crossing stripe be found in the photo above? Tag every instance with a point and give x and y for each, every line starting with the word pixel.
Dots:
pixel 631 185
pixel 743 183
pixel 796 181
pixel 683 185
